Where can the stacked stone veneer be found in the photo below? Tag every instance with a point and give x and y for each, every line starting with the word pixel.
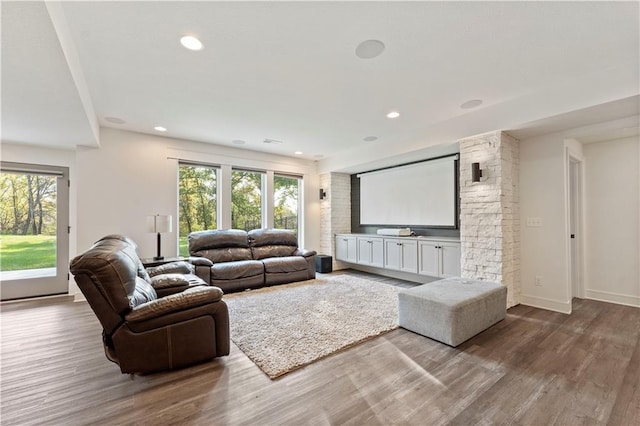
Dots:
pixel 489 211
pixel 335 212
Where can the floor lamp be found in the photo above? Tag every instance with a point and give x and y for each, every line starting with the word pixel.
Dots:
pixel 159 224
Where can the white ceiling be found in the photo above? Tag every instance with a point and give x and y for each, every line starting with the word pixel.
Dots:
pixel 288 71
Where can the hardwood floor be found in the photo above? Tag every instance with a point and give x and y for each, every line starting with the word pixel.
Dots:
pixel 534 368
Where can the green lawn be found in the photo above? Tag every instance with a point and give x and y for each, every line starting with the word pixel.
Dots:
pixel 19 252
pixel 183 247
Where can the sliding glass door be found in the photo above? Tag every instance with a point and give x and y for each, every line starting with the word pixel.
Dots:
pixel 34 230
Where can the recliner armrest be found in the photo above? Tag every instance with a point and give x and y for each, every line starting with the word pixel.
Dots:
pixel 179 267
pixel 200 261
pixel 305 253
pixel 190 298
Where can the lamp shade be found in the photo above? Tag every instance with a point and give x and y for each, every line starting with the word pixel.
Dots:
pixel 159 223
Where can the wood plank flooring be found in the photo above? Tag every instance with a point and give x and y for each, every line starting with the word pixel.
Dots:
pixel 534 368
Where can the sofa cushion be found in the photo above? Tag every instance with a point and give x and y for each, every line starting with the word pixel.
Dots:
pixel 276 265
pixel 271 237
pixel 142 293
pixel 236 270
pixel 265 252
pixel 217 238
pixel 220 245
pixel 230 254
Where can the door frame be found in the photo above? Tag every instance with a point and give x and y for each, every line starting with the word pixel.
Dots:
pixel 575 225
pixel 49 285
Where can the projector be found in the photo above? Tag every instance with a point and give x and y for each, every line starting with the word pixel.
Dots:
pixel 395 232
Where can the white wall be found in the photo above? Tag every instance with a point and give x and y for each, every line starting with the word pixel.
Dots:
pixel 133 175
pixel 612 199
pixel 543 248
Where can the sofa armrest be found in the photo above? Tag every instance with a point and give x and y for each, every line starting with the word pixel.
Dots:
pixel 305 253
pixel 180 267
pixel 190 298
pixel 200 261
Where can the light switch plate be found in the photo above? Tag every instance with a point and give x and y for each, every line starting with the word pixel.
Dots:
pixel 534 221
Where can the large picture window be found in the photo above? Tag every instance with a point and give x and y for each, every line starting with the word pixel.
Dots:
pixel 246 199
pixel 198 199
pixel 286 202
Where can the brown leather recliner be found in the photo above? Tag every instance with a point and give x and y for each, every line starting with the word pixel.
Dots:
pixel 141 332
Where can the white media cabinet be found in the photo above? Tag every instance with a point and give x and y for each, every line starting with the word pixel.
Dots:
pixel 422 256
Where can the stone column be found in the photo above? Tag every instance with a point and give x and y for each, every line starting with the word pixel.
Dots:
pixel 490 212
pixel 335 212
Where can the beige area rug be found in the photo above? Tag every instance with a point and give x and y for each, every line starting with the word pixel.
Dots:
pixel 285 327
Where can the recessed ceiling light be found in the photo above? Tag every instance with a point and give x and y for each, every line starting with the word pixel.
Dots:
pixel 160 128
pixel 471 104
pixel 369 49
pixel 370 138
pixel 114 120
pixel 298 153
pixel 238 142
pixel 393 114
pixel 191 43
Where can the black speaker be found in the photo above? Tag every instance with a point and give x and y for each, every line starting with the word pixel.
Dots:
pixel 324 263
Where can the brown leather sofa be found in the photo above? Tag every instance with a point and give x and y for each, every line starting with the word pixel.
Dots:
pixel 142 332
pixel 235 260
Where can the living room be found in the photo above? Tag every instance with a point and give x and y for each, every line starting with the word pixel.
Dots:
pixel 581 104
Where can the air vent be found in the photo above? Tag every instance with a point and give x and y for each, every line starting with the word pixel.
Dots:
pixel 273 141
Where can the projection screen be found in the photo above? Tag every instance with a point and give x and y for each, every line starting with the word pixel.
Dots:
pixel 420 194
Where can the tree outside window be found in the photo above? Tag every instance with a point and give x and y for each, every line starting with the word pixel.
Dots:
pixel 246 199
pixel 198 199
pixel 286 202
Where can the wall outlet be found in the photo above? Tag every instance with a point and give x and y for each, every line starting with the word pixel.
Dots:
pixel 538 281
pixel 534 221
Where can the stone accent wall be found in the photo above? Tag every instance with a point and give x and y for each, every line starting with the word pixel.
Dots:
pixel 490 212
pixel 335 212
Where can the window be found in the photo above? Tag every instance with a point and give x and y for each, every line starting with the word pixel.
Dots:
pixel 286 202
pixel 246 199
pixel 198 201
pixel 34 240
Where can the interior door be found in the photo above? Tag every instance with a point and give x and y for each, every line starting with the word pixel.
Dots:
pixel 575 214
pixel 34 230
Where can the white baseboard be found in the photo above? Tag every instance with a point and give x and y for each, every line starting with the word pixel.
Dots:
pixel 607 296
pixel 548 304
pixel 79 297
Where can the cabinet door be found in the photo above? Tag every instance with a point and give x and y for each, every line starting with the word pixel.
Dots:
pixel 428 258
pixel 377 252
pixel 450 260
pixel 364 251
pixel 346 248
pixel 371 251
pixel 392 254
pixel 409 256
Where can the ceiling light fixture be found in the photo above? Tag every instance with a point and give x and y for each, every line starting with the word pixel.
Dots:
pixel 393 114
pixel 471 104
pixel 238 142
pixel 160 128
pixel 370 138
pixel 369 49
pixel 191 43
pixel 272 141
pixel 298 153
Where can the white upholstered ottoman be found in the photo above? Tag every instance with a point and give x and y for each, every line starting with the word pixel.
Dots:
pixel 452 310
